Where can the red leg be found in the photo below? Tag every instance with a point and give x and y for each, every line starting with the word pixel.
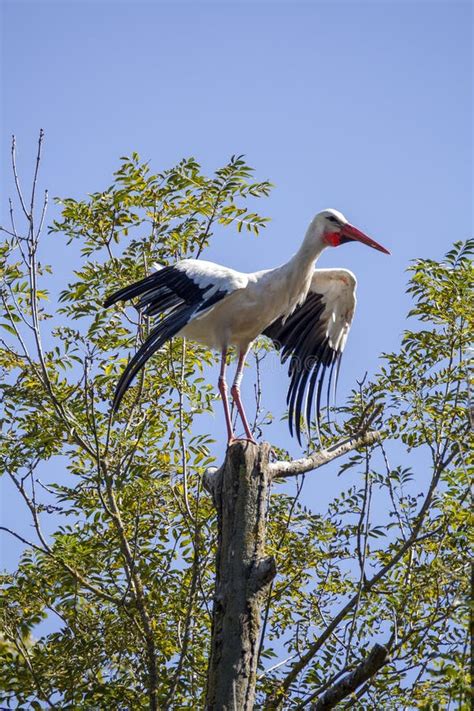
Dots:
pixel 235 392
pixel 225 401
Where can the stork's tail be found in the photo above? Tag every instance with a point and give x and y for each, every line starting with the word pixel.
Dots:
pixel 146 285
pixel 167 328
pixel 168 290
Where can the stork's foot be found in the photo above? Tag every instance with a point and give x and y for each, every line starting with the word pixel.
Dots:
pixel 233 440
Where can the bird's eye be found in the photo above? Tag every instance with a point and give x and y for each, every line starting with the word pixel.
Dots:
pixel 331 218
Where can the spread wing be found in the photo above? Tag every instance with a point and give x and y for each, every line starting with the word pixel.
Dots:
pixel 183 292
pixel 313 338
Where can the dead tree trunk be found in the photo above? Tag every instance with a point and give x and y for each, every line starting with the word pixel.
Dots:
pixel 240 491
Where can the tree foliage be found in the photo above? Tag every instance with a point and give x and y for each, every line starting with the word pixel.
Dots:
pixel 126 578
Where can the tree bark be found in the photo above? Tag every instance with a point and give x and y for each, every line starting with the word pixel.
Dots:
pixel 348 684
pixel 240 491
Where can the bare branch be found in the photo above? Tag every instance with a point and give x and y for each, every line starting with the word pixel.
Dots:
pixel 17 180
pixel 35 176
pixel 348 684
pixel 323 456
pixel 43 215
pixel 8 232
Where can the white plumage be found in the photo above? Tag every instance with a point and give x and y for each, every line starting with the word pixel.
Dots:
pixel 306 311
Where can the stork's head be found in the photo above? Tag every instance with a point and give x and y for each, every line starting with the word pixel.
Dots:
pixel 335 229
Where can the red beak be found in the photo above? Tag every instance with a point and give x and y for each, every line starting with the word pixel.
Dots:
pixel 351 232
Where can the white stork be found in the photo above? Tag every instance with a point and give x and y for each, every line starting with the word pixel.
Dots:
pixel 307 312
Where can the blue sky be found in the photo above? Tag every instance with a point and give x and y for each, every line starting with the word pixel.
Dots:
pixel 362 106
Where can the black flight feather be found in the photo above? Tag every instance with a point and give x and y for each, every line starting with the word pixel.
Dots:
pixel 168 290
pixel 303 336
pixel 168 328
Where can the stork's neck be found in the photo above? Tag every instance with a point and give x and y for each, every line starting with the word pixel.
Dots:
pixel 310 250
pixel 295 275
